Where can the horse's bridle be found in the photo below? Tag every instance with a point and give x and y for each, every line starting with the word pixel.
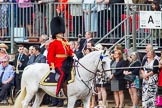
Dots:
pixel 76 70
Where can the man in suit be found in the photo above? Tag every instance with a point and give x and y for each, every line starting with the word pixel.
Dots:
pixel 37 57
pixel 83 41
pixel 77 52
pixel 43 38
pixel 20 63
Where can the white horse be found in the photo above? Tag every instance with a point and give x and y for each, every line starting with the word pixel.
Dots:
pixel 79 89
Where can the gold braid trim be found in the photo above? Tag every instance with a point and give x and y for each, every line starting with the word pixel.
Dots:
pixel 65 44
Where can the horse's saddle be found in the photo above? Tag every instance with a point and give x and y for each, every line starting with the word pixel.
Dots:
pixel 51 78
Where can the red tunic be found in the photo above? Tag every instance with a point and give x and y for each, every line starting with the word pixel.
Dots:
pixel 58 50
pixel 160 78
pixel 56 47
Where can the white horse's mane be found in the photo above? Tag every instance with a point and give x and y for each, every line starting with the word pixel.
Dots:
pixel 91 55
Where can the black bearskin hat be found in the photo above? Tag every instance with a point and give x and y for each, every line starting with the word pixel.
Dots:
pixel 57 26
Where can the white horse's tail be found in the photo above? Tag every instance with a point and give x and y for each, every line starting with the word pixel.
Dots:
pixel 21 96
pixel 19 99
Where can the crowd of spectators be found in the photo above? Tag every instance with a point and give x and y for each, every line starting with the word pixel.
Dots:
pixel 146 76
pixel 37 54
pixel 145 69
pixel 97 16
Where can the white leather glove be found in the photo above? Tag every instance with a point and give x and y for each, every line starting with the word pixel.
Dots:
pixel 75 57
pixel 52 71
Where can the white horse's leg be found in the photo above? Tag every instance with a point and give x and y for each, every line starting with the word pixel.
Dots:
pixel 30 93
pixel 27 99
pixel 71 101
pixel 38 99
pixel 86 102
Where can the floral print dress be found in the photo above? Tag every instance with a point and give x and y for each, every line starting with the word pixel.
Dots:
pixel 149 87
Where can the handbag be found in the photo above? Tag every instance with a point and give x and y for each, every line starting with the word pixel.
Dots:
pixel 130 77
pixel 158 101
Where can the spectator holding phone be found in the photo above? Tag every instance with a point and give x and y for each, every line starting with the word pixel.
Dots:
pixel 83 41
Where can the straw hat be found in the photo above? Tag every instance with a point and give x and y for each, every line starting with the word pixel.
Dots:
pixel 2 45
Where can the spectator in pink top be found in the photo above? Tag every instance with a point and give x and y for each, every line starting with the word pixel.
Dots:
pixel 25 11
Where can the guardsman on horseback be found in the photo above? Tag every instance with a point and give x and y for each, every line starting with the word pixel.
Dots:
pixel 59 50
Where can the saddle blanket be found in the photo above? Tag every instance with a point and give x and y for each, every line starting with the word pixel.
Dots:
pixel 50 79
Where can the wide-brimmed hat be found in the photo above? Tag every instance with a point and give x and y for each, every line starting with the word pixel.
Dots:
pixel 98 47
pixel 2 45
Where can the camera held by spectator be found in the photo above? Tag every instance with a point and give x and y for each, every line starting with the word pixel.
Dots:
pixel 80 36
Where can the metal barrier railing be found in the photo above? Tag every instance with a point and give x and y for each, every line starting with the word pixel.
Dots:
pixel 103 21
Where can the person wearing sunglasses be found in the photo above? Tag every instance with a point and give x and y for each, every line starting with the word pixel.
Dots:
pixel 6 78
